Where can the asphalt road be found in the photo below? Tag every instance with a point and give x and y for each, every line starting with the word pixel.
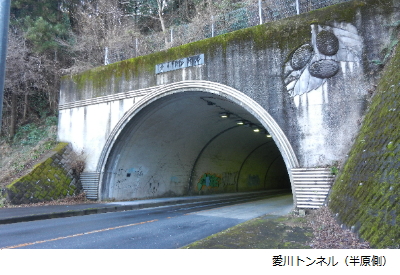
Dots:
pixel 152 228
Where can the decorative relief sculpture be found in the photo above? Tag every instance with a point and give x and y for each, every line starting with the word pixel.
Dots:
pixel 302 56
pixel 331 49
pixel 327 43
pixel 325 68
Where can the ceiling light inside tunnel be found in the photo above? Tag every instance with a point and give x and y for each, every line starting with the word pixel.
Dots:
pixel 224 115
pixel 240 122
pixel 256 128
pixel 265 131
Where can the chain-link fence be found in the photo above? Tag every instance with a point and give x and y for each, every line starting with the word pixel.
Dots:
pixel 247 16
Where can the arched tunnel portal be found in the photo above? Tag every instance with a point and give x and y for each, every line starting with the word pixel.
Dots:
pixel 186 140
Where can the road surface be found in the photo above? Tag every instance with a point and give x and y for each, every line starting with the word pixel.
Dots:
pixel 151 228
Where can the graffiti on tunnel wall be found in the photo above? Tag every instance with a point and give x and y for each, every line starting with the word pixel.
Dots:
pixel 228 179
pixel 209 180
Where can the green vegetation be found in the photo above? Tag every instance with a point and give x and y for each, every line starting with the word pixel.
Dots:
pixel 31 134
pixel 334 170
pixel 31 141
pixel 44 22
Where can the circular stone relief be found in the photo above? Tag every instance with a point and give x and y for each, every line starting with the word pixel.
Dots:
pixel 324 68
pixel 301 56
pixel 327 43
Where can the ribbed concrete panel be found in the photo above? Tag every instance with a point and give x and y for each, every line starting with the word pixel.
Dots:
pixel 90 184
pixel 312 186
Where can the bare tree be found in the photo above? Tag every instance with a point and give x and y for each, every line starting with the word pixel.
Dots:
pixel 100 24
pixel 27 75
pixel 155 9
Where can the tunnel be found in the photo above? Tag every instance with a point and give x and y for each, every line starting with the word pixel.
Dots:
pixel 191 142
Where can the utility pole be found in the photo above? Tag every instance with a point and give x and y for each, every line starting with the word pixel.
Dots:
pixel 4 22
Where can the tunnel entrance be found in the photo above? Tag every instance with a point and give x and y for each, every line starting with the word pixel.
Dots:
pixel 191 142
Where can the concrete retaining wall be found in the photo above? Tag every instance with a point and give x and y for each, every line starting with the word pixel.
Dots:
pixel 53 178
pixel 366 195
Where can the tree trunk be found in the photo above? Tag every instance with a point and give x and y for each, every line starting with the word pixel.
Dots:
pixel 162 21
pixel 25 107
pixel 13 122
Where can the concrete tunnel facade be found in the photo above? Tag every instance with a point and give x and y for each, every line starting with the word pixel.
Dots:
pixel 150 132
pixel 176 142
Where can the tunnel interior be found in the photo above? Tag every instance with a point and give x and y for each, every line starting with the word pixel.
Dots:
pixel 192 143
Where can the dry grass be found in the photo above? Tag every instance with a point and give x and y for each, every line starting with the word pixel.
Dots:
pixel 78 199
pixel 328 234
pixel 318 230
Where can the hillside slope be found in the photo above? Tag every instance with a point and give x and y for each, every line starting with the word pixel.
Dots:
pixel 366 195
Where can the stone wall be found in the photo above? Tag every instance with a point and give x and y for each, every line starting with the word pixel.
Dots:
pixel 366 195
pixel 52 178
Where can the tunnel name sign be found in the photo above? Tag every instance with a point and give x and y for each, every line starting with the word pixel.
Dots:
pixel 186 62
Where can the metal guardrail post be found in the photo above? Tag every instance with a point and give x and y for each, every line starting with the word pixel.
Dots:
pixel 297 7
pixel 4 22
pixel 260 11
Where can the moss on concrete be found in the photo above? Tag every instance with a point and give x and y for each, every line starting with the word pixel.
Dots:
pixel 366 194
pixel 266 232
pixel 48 180
pixel 60 147
pixel 287 35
